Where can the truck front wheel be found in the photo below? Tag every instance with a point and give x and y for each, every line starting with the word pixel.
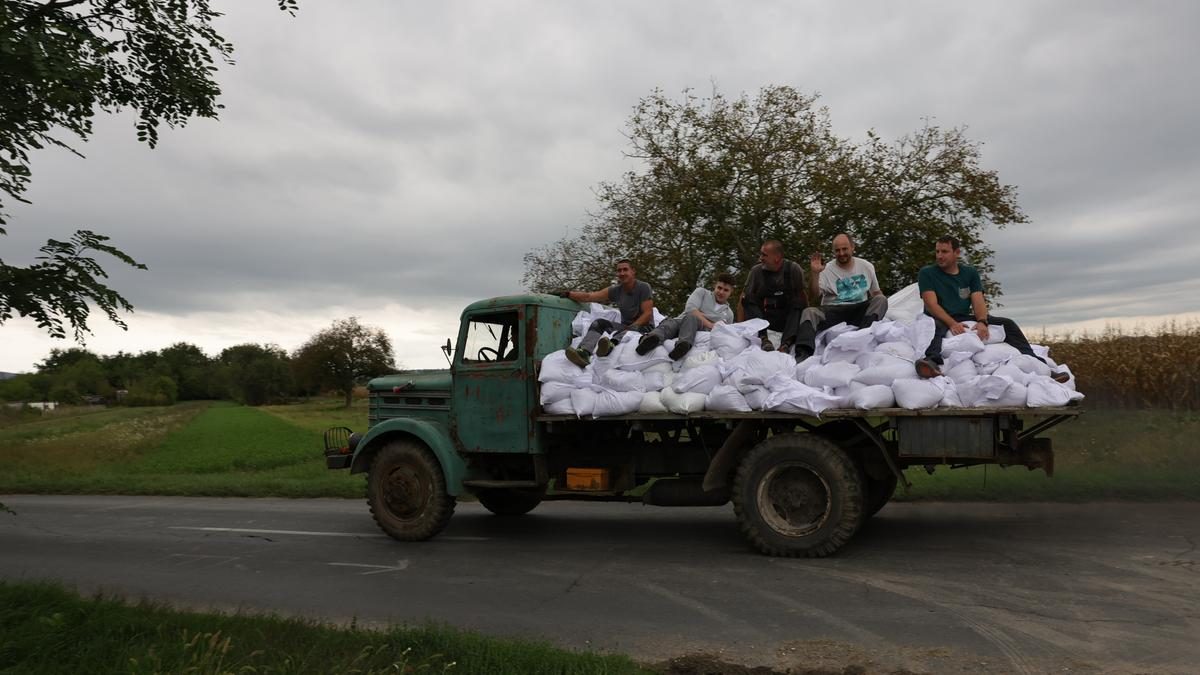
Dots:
pixel 509 502
pixel 798 495
pixel 407 492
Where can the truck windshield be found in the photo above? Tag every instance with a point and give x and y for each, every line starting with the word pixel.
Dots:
pixel 491 337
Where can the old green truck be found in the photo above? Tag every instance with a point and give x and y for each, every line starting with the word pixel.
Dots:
pixel 800 485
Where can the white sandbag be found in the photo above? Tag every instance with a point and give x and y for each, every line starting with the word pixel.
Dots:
pixel 726 398
pixel 609 403
pixel 830 334
pixel 553 392
pixel 836 374
pixel 556 368
pixel 905 304
pixel 562 407
pixel 889 331
pixel 1043 392
pixel 749 328
pixel 584 319
pixel 873 397
pixel 727 341
pixel 583 402
pixel 799 398
pixel 804 366
pixel 703 340
pixel 901 350
pixel 856 387
pixel 873 359
pixel 887 373
pixel 1031 365
pixel 1010 371
pixel 697 357
pixel 920 333
pixel 682 404
pixel 834 355
pixel 965 342
pixel 988 368
pixel 652 403
pixel 627 357
pixel 622 380
pixel 860 340
pixel 757 365
pixel 995 354
pixel 1041 350
pixel 756 397
pixel 654 381
pixel 700 380
pixel 919 393
pixel 996 333
pixel 963 370
pixel 1013 397
pixel 950 397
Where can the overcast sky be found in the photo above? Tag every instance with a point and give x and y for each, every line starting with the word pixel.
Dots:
pixel 394 160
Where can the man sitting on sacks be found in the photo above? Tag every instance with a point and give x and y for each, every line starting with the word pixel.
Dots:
pixel 634 298
pixel 775 292
pixel 953 293
pixel 704 309
pixel 849 292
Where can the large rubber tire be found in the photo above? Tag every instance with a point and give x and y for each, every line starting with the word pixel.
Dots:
pixel 510 502
pixel 406 491
pixel 879 493
pixel 798 495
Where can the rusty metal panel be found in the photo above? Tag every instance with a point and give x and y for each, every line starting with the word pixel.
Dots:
pixel 965 437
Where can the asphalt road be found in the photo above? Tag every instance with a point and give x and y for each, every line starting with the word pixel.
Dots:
pixel 1025 588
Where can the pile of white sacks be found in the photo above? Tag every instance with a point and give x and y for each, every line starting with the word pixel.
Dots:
pixel 727 371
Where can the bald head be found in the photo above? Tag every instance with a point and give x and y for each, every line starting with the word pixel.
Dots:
pixel 843 249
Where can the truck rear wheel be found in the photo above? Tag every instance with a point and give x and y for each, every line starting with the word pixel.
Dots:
pixel 407 492
pixel 798 495
pixel 879 493
pixel 509 502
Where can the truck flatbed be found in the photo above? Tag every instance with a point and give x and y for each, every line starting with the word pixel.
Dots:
pixel 833 413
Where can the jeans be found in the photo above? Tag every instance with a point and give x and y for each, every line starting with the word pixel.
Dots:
pixel 1012 336
pixel 816 319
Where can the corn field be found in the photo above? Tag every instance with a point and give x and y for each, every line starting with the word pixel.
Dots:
pixel 1116 369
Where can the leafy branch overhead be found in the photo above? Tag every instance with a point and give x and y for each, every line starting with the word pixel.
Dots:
pixel 61 62
pixel 717 176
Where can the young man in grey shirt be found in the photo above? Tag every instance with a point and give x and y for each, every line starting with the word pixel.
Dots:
pixel 634 298
pixel 704 309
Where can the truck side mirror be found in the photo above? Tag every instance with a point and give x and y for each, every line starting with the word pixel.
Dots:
pixel 447 349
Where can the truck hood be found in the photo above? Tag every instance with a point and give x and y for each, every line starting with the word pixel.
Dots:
pixel 413 381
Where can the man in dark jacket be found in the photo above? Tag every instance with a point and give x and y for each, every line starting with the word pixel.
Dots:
pixel 775 291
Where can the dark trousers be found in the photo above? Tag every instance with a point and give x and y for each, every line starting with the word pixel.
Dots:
pixel 786 320
pixel 602 326
pixel 816 319
pixel 1012 336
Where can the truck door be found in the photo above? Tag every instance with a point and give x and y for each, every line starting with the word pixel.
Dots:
pixel 491 399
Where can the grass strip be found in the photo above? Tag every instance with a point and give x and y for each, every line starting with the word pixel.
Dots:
pixel 46 629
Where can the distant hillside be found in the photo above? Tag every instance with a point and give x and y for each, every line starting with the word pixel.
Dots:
pixel 7 376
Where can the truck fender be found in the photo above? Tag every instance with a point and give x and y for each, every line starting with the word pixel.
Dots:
pixel 432 434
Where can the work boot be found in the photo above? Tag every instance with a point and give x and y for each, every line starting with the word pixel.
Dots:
pixel 681 347
pixel 647 344
pixel 785 346
pixel 767 345
pixel 803 352
pixel 1061 377
pixel 580 357
pixel 926 368
pixel 604 347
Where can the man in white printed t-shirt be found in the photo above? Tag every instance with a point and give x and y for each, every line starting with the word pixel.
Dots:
pixel 704 309
pixel 848 290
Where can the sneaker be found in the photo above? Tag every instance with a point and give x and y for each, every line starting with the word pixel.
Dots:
pixel 647 344
pixel 681 347
pixel 1061 377
pixel 604 347
pixel 927 368
pixel 579 357
pixel 767 346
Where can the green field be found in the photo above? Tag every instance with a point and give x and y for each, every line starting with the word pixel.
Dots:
pixel 49 630
pixel 223 449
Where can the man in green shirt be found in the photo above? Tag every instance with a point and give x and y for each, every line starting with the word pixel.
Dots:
pixel 953 293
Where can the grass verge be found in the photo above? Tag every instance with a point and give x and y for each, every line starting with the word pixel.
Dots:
pixel 48 630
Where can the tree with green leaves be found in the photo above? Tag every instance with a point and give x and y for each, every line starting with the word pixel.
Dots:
pixel 342 356
pixel 718 176
pixel 256 374
pixel 61 62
